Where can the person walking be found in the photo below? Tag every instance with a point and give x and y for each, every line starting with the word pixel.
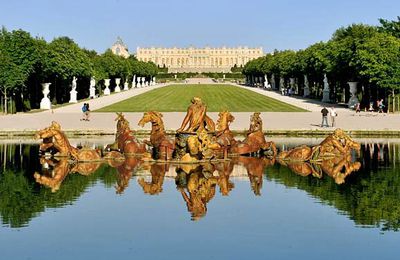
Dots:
pixel 87 113
pixel 324 113
pixel 333 114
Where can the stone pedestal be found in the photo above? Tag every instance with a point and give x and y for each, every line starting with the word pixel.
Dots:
pixel 353 91
pixel 117 87
pixel 326 91
pixel 126 85
pixel 107 90
pixel 72 96
pixel 45 102
pixel 306 87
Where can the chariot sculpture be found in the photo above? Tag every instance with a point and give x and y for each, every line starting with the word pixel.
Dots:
pixel 198 140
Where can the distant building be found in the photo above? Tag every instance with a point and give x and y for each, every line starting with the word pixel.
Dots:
pixel 120 49
pixel 199 59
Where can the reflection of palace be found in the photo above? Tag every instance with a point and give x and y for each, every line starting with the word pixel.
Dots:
pixel 199 59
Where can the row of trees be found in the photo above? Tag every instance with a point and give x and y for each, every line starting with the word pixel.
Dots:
pixel 367 54
pixel 26 62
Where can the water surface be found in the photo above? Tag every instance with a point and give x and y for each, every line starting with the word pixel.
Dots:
pixel 247 208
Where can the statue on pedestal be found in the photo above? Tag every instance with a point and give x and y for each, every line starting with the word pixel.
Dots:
pixel 326 90
pixel 306 87
pixel 92 89
pixel 73 92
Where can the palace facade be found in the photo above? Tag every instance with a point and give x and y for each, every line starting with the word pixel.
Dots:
pixel 199 59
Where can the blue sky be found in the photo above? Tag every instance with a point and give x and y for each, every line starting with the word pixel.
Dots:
pixel 279 24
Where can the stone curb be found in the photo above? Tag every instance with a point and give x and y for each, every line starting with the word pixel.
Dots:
pixel 10 134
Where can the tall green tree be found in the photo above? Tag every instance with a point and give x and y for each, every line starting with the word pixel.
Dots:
pixel 390 27
pixel 19 55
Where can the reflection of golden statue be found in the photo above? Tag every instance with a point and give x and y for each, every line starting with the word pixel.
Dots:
pixel 255 140
pixel 300 154
pixel 255 170
pixel 53 137
pixel 196 118
pixel 225 169
pixel 339 167
pixel 157 179
pixel 53 178
pixel 303 168
pixel 200 190
pixel 125 171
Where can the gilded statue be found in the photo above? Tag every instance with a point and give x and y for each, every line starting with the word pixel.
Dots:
pixel 255 140
pixel 336 144
pixel 224 135
pixel 163 146
pixel 54 137
pixel 125 141
pixel 196 118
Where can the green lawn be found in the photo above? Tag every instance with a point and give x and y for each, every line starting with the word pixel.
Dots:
pixel 176 98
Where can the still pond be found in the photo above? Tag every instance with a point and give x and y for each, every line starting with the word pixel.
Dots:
pixel 240 209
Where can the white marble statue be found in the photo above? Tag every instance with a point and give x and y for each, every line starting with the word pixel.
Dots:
pixel 126 85
pixel 306 87
pixel 281 84
pixel 353 101
pixel 92 88
pixel 73 93
pixel 326 90
pixel 266 83
pixel 134 81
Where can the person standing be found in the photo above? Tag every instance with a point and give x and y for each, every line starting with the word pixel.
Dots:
pixel 333 114
pixel 324 113
pixel 84 112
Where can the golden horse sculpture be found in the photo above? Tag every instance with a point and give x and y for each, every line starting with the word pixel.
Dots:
pixel 255 140
pixel 54 137
pixel 336 144
pixel 125 141
pixel 163 147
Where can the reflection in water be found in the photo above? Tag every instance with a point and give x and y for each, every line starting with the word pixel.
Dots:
pixel 368 197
